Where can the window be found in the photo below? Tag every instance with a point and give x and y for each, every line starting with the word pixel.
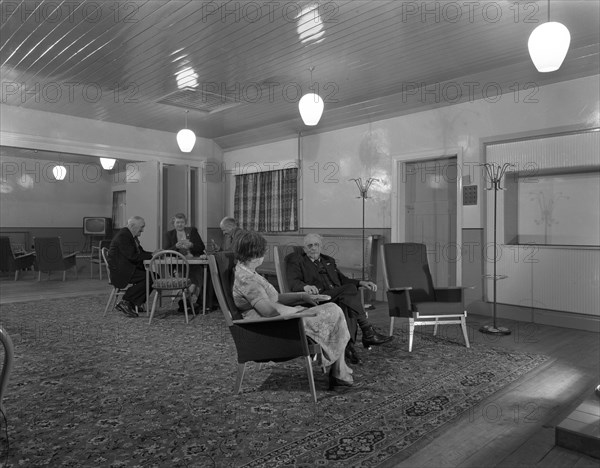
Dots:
pixel 267 201
pixel 553 207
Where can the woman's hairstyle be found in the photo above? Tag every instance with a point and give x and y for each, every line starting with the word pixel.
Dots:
pixel 248 245
pixel 180 216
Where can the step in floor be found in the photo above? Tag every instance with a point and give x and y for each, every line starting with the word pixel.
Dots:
pixel 580 431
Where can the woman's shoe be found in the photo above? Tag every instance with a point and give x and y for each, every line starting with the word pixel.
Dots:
pixel 335 382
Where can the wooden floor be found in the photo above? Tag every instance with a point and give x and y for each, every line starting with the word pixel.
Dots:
pixel 514 428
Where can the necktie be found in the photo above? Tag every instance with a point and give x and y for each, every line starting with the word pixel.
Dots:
pixel 324 275
pixel 137 245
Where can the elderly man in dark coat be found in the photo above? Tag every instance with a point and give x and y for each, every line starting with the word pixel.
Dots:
pixel 316 273
pixel 126 263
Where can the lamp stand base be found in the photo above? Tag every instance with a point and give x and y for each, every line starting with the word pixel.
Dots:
pixel 492 330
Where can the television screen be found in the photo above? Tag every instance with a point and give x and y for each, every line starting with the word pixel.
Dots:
pixel 96 226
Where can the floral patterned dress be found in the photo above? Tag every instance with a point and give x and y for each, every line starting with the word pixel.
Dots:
pixel 328 328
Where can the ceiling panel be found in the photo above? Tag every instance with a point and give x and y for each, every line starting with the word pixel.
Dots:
pixel 117 62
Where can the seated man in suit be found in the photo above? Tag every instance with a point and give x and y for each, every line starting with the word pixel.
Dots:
pixel 126 262
pixel 230 228
pixel 316 273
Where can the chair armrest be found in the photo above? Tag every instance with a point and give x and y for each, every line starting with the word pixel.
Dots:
pixel 70 255
pixel 450 293
pixel 406 288
pixel 30 254
pixel 278 318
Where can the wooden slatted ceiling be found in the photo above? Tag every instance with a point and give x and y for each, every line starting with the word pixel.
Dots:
pixel 370 53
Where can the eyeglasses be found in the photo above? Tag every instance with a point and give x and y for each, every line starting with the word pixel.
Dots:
pixel 310 246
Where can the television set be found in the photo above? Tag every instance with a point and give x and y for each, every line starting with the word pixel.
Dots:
pixel 97 226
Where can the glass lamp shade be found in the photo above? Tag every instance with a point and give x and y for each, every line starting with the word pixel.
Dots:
pixel 59 172
pixel 548 45
pixel 311 108
pixel 107 163
pixel 186 139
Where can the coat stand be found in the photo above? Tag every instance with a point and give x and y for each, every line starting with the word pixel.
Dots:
pixel 495 174
pixel 363 193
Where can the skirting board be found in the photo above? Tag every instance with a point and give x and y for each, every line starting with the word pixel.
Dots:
pixel 541 316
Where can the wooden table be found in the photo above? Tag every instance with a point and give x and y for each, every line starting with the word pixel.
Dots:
pixel 191 261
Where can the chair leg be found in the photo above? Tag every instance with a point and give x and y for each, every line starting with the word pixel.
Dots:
pixel 311 378
pixel 16 275
pixel 40 275
pixel 64 275
pixel 110 300
pixel 240 377
pixel 362 301
pixel 463 325
pixel 185 307
pixel 187 294
pixel 411 332
pixel 156 294
pixel 435 327
pixel 391 326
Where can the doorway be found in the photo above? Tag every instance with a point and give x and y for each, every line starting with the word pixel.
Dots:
pixel 426 211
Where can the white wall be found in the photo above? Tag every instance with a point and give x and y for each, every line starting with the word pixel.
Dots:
pixel 330 159
pixel 25 128
pixel 32 197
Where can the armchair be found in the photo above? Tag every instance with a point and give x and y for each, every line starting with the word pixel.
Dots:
pixel 277 339
pixel 280 255
pixel 50 257
pixel 9 353
pixel 11 262
pixel 411 294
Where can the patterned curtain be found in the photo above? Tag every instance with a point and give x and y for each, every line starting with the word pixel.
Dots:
pixel 267 201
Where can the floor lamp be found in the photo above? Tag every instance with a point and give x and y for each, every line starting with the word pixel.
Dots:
pixel 364 190
pixel 495 174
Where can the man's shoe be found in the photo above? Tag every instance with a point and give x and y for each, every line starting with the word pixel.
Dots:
pixel 371 337
pixel 127 308
pixel 351 355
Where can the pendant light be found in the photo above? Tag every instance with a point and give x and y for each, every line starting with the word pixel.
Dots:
pixel 311 105
pixel 107 163
pixel 548 45
pixel 59 172
pixel 186 139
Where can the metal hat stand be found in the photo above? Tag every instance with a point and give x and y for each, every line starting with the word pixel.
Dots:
pixel 495 174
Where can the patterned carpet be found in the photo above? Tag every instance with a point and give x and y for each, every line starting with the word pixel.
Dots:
pixel 92 391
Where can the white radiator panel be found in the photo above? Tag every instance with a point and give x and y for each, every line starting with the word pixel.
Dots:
pixel 549 278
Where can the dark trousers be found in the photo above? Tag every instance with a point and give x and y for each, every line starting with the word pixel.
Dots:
pixel 136 293
pixel 347 297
